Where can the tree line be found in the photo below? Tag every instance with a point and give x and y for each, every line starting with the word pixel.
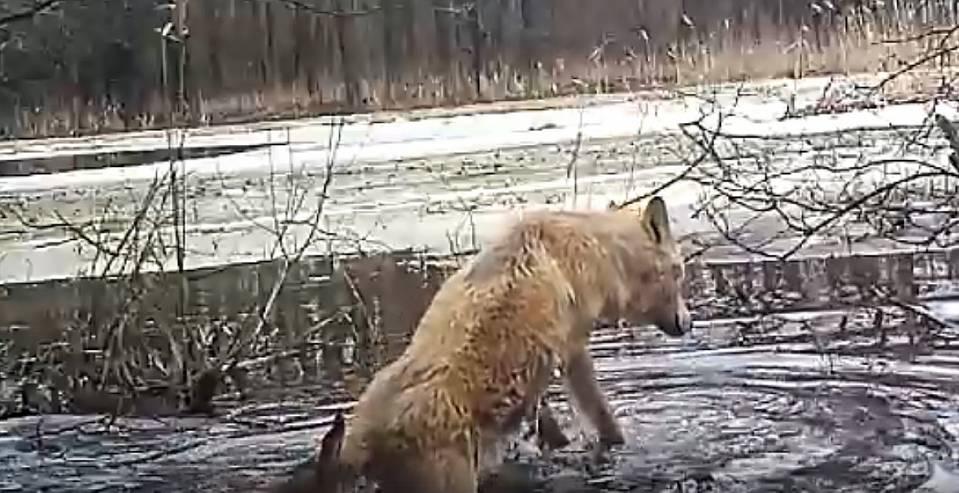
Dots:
pixel 99 65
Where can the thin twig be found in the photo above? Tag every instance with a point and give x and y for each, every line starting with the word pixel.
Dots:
pixel 28 13
pixel 914 309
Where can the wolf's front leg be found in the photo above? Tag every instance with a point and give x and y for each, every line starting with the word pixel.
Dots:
pixel 549 435
pixel 589 398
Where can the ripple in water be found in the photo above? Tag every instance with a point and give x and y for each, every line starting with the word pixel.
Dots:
pixel 772 417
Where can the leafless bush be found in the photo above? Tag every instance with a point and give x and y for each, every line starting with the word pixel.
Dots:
pixel 135 343
pixel 821 193
pixel 774 196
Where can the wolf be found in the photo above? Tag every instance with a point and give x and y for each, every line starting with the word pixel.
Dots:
pixel 486 348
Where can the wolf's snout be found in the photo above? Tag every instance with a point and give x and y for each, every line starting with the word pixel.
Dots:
pixel 680 324
pixel 684 321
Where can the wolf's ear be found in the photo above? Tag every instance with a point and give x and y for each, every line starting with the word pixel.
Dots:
pixel 612 205
pixel 656 219
pixel 329 456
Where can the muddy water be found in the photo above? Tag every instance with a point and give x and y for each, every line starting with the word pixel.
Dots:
pixel 790 381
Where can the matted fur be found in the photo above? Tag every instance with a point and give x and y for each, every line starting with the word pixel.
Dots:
pixel 483 353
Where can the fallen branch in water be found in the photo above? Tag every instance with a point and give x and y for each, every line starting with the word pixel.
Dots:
pixel 918 310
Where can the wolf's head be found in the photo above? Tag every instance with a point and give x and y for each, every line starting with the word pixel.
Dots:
pixel 656 272
pixel 323 473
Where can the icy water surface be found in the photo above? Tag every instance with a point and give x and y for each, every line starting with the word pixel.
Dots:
pixel 445 182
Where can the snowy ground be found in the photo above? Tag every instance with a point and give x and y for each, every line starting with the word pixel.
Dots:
pixel 439 179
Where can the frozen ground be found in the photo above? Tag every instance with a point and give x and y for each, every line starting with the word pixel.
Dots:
pixel 436 179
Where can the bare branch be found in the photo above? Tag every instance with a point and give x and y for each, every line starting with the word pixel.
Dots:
pixel 37 8
pixel 942 49
pixel 926 34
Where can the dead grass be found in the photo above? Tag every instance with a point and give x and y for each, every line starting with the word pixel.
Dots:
pixel 723 57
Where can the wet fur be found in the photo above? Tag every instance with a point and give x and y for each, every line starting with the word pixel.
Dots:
pixel 482 355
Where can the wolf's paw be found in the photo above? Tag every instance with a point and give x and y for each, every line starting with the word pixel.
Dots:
pixel 611 438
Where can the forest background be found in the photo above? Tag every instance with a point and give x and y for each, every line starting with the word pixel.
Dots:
pixel 88 66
